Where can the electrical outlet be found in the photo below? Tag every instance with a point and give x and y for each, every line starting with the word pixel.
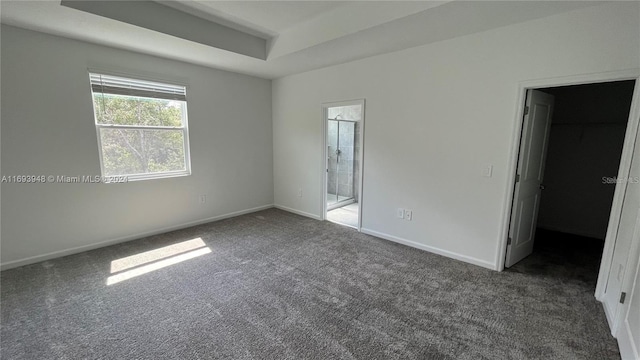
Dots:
pixel 299 192
pixel 203 199
pixel 408 215
pixel 400 213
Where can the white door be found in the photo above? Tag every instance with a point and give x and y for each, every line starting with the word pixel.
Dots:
pixel 531 159
pixel 625 258
pixel 628 333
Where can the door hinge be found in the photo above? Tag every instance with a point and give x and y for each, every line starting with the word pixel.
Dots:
pixel 517 177
pixel 623 295
pixel 508 241
pixel 526 110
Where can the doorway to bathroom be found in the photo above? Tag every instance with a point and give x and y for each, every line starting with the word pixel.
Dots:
pixel 343 125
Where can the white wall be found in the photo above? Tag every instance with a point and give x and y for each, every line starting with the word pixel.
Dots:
pixel 48 128
pixel 435 115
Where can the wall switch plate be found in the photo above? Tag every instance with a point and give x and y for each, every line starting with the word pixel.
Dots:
pixel 487 171
pixel 408 215
pixel 400 213
pixel 300 192
pixel 203 199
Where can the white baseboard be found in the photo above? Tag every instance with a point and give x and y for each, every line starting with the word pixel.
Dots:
pixel 306 214
pixel 79 249
pixel 609 315
pixel 628 350
pixel 435 250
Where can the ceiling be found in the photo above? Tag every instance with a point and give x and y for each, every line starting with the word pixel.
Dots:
pixel 262 18
pixel 271 39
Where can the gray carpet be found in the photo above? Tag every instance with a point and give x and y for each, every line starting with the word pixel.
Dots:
pixel 280 286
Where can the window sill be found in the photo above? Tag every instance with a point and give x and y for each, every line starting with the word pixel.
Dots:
pixel 119 179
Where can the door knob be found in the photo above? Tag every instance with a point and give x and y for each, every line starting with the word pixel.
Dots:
pixel 541 187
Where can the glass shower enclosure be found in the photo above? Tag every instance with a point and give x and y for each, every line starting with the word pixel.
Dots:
pixel 341 164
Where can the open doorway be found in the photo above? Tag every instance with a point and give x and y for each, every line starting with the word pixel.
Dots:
pixel 570 151
pixel 343 128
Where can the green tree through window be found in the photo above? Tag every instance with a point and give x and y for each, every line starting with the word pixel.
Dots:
pixel 140 136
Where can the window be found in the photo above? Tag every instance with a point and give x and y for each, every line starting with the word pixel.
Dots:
pixel 141 127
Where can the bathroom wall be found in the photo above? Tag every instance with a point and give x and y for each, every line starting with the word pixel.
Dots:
pixel 357 148
pixel 332 173
pixel 343 174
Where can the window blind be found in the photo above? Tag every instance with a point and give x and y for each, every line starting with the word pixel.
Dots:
pixel 109 84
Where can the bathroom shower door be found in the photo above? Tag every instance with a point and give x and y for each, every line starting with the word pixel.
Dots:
pixel 332 162
pixel 343 154
pixel 340 166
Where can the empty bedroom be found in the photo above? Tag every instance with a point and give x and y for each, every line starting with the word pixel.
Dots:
pixel 194 179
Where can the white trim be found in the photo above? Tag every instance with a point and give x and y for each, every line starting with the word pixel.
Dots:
pixel 627 74
pixel 83 248
pixel 298 212
pixel 431 249
pixel 625 161
pixel 631 273
pixel 621 187
pixel 626 344
pixel 139 127
pixel 609 314
pixel 323 160
pixel 185 142
pixel 184 129
pixel 123 179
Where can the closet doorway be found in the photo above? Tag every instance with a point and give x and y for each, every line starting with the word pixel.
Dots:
pixel 343 125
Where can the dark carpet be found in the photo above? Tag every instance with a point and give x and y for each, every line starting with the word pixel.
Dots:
pixel 279 286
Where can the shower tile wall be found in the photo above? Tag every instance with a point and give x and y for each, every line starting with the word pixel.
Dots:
pixel 356 163
pixel 343 174
pixel 345 164
pixel 332 140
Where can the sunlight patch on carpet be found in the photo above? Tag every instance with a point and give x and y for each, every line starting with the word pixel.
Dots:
pixel 156 259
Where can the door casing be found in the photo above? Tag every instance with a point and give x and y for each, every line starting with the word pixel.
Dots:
pixel 323 167
pixel 623 171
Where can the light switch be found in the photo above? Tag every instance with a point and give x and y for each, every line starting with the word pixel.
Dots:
pixel 487 171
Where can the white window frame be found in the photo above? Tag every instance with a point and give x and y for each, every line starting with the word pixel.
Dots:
pixel 145 176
